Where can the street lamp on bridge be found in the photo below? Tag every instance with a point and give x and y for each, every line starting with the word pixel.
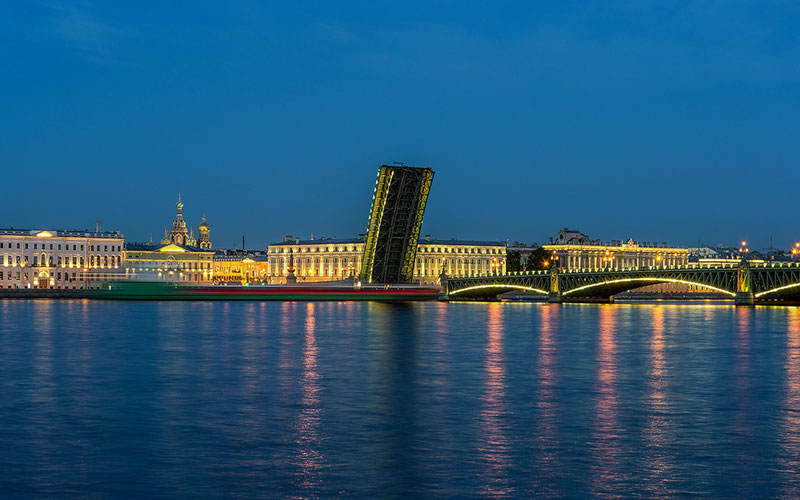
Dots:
pixel 743 250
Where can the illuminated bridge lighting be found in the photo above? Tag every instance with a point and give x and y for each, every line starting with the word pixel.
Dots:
pixel 761 294
pixel 650 280
pixel 516 287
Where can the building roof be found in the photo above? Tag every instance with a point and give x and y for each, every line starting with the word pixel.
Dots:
pixel 146 247
pixel 61 233
pixel 346 241
pixel 476 243
pixel 320 241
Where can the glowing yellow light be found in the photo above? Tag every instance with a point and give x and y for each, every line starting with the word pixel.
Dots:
pixel 786 287
pixel 516 287
pixel 171 248
pixel 44 234
pixel 657 280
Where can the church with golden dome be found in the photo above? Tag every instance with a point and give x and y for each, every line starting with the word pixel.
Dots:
pixel 180 235
pixel 178 258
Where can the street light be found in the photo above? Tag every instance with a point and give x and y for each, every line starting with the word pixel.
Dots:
pixel 743 249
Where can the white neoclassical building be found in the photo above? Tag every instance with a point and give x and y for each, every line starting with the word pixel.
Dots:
pixel 326 259
pixel 61 259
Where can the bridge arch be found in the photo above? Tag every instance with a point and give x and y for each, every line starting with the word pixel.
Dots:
pixel 790 289
pixel 494 289
pixel 611 287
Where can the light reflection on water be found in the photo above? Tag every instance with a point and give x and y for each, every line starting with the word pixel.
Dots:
pixel 310 458
pixel 547 420
pixel 790 432
pixel 369 400
pixel 493 413
pixel 606 427
pixel 658 433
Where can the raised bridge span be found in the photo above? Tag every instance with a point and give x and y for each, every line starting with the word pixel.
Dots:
pixel 746 283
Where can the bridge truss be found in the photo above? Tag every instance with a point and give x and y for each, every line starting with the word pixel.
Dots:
pixel 398 206
pixel 744 282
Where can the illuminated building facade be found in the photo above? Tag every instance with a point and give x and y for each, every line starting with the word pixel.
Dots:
pixel 169 263
pixel 59 259
pixel 336 259
pixel 235 266
pixel 574 250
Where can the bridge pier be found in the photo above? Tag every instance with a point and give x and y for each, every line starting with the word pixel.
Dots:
pixel 554 298
pixel 744 279
pixel 744 299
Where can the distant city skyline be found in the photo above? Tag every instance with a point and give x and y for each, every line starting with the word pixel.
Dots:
pixel 656 121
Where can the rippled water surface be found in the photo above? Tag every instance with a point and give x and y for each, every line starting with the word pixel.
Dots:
pixel 370 400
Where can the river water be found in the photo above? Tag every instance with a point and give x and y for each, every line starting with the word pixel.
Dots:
pixel 424 400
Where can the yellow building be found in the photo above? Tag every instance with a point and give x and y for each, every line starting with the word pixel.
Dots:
pixel 328 259
pixel 574 250
pixel 170 263
pixel 235 266
pixel 59 259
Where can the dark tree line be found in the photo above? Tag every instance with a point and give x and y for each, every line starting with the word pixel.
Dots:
pixel 538 260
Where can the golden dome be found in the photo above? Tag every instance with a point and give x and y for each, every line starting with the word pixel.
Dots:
pixel 203 225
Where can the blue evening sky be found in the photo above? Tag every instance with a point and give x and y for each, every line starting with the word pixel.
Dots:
pixel 662 121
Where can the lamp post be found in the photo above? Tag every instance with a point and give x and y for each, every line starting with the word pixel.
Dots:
pixel 743 250
pixel 796 250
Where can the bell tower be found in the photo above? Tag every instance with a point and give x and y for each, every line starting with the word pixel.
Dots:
pixel 204 235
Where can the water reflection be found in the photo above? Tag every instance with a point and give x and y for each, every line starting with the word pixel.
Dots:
pixel 495 447
pixel 299 400
pixel 547 403
pixel 790 433
pixel 606 435
pixel 392 414
pixel 310 457
pixel 658 433
pixel 743 421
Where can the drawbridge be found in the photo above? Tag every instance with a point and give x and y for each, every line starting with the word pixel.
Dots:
pixel 395 220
